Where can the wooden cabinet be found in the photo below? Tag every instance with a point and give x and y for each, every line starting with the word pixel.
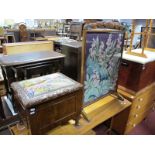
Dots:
pixel 72 49
pixel 72 62
pixel 137 84
pixel 137 73
pixel 48 101
pixel 142 102
pixel 136 76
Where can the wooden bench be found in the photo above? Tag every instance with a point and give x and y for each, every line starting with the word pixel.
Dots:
pixel 25 47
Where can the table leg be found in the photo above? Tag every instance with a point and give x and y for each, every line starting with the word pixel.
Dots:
pixel 5 80
pixel 62 66
pixel 2 109
pixel 9 77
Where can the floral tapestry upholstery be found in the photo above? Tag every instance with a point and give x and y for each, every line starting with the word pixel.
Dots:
pixel 102 58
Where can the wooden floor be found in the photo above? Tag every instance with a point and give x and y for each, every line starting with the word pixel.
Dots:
pixel 97 112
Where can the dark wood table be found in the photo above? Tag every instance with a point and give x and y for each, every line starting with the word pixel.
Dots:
pixel 24 66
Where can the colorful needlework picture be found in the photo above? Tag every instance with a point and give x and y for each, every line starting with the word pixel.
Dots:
pixel 102 58
pixel 46 84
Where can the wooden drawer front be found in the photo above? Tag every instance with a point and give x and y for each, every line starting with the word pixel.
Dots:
pixel 135 119
pixel 148 94
pixel 140 107
pixel 137 115
pixel 48 116
pixel 143 101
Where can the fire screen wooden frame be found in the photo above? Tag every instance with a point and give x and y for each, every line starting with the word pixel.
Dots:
pixel 101 56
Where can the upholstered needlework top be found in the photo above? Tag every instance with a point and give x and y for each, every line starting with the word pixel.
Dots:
pixel 45 84
pixel 102 58
pixel 44 87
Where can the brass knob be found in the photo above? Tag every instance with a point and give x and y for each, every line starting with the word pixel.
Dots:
pixel 136 115
pixel 134 125
pixel 138 107
pixel 140 99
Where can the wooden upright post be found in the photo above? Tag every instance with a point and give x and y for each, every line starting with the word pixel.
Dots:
pixel 145 38
pixel 149 31
pixel 132 34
